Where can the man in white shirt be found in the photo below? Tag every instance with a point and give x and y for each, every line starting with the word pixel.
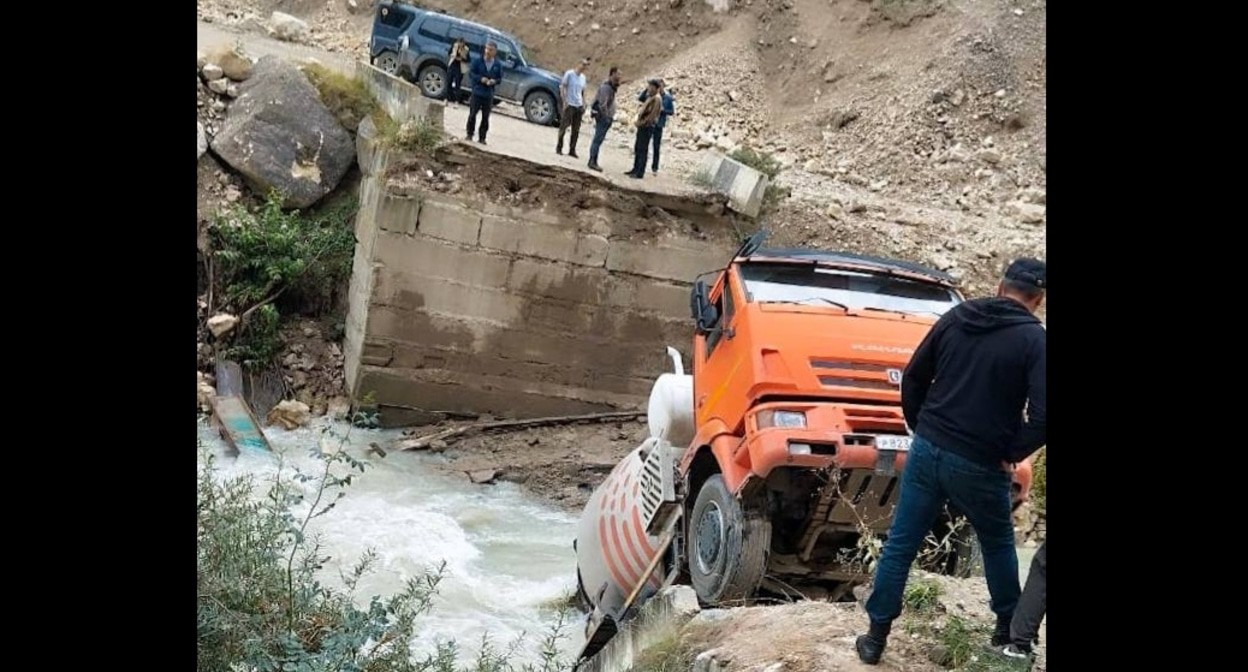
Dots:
pixel 572 94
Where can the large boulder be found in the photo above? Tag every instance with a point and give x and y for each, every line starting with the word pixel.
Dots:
pixel 279 135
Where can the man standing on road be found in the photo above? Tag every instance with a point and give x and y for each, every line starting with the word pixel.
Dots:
pixel 647 117
pixel 485 73
pixel 974 396
pixel 603 113
pixel 667 109
pixel 1025 626
pixel 572 94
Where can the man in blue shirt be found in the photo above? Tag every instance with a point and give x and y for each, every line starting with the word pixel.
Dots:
pixel 485 75
pixel 572 93
pixel 668 109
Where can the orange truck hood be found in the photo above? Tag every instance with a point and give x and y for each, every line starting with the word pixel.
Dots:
pixel 822 351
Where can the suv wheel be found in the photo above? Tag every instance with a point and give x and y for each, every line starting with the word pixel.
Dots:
pixel 433 81
pixel 388 62
pixel 539 108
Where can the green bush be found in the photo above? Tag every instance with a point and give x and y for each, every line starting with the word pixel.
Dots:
pixel 763 162
pixel 270 253
pixel 262 608
pixel 348 98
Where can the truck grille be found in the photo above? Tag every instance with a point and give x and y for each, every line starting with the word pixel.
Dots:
pixel 859 375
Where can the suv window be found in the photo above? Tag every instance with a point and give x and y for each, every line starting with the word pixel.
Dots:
pixel 435 28
pixel 475 40
pixel 506 51
pixel 396 18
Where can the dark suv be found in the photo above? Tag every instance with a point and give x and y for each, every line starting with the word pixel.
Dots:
pixel 415 44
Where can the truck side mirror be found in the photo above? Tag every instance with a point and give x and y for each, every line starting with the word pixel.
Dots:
pixel 705 315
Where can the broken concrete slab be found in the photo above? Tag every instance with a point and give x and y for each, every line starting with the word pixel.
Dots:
pixel 401 99
pixel 743 185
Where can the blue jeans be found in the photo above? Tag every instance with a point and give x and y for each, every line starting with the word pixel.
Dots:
pixel 640 149
pixel 601 126
pixel 931 477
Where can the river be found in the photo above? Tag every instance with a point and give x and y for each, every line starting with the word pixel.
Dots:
pixel 509 557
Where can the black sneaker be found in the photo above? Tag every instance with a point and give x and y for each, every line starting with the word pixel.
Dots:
pixel 869 649
pixel 573 154
pixel 594 166
pixel 559 151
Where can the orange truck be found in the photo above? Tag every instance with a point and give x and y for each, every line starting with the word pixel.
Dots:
pixel 774 464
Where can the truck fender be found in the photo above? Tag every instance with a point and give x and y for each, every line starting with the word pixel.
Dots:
pixel 717 438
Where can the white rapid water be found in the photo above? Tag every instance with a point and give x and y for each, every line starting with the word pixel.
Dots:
pixel 508 556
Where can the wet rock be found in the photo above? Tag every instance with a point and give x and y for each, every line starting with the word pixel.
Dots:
pixel 339 408
pixel 236 64
pixel 279 135
pixel 222 324
pixel 290 414
pixel 288 28
pixel 212 72
pixel 482 476
pixel 204 391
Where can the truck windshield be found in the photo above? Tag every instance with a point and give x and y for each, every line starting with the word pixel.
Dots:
pixel 810 284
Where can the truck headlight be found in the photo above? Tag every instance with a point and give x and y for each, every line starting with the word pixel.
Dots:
pixel 767 419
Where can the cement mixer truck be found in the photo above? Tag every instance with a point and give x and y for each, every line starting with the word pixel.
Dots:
pixel 773 464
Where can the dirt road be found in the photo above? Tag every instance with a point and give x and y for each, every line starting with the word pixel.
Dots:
pixel 509 133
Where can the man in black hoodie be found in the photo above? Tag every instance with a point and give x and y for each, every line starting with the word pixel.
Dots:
pixel 974 397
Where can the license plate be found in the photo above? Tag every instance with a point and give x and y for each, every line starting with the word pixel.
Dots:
pixel 898 444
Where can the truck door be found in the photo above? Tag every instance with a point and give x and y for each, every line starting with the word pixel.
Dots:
pixel 718 360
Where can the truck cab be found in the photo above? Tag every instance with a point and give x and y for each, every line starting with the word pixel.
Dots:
pixel 777 464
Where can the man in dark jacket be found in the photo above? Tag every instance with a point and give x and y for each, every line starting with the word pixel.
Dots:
pixel 667 110
pixel 974 396
pixel 647 117
pixel 485 75
pixel 603 113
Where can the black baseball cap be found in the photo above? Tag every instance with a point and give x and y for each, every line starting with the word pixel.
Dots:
pixel 1028 272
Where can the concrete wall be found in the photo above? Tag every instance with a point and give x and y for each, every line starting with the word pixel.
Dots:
pixel 400 99
pixel 460 305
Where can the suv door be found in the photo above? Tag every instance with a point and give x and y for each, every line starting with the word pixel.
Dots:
pixel 390 22
pixel 429 45
pixel 508 56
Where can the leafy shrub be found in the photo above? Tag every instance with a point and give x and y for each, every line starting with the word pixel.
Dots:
pixel 270 253
pixel 763 162
pixel 348 98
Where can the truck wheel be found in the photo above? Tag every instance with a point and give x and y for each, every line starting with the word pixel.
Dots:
pixel 727 545
pixel 433 81
pixel 539 108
